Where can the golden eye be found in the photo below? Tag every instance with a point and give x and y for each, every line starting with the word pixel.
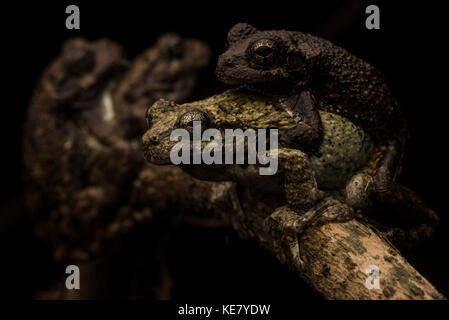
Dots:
pixel 264 52
pixel 186 120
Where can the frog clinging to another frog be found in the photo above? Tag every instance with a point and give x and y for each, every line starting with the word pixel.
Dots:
pixel 341 136
pixel 307 74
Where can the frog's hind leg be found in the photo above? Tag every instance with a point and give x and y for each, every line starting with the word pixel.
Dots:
pixel 404 239
pixel 405 204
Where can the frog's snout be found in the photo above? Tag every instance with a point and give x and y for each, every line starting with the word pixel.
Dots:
pixel 153 148
pixel 225 60
pixel 224 65
pixel 151 138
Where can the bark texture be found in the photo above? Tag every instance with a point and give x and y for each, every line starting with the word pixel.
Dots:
pixel 337 256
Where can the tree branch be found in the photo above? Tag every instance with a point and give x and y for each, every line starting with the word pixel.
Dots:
pixel 336 258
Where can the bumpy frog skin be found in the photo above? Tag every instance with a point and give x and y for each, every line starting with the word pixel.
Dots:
pixel 293 61
pixel 307 74
pixel 78 75
pixel 345 150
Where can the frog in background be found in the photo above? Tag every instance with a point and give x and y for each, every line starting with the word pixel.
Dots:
pixel 81 147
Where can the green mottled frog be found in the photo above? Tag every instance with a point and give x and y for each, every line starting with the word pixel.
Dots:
pixel 335 179
pixel 307 182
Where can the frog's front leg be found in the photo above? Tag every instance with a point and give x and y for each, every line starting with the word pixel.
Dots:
pixel 300 186
pixel 307 134
pixel 301 192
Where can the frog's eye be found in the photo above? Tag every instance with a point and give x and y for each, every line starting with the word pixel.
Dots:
pixel 264 52
pixel 186 120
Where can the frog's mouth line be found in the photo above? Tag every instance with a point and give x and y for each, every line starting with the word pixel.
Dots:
pixel 247 175
pixel 232 158
pixel 236 77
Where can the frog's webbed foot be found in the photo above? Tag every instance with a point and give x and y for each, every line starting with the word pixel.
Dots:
pixel 283 225
pixel 286 226
pixel 308 131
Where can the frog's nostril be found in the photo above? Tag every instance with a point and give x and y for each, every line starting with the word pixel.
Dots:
pixel 154 140
pixel 228 62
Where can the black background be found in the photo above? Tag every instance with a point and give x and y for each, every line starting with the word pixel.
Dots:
pixel 409 49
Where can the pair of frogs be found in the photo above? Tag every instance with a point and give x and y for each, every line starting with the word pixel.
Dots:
pixel 341 133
